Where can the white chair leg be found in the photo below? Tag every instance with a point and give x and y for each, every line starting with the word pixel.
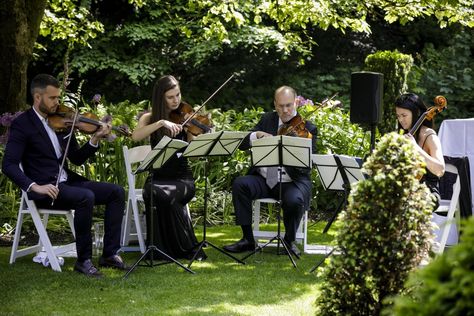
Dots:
pixel 16 239
pixel 45 242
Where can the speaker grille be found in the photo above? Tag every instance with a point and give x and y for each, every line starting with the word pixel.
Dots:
pixel 366 97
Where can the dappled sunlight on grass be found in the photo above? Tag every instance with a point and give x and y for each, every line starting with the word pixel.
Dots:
pixel 267 284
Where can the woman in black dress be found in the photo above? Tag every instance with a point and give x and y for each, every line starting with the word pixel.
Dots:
pixel 173 184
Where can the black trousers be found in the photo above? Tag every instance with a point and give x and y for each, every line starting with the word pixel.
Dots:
pixel 82 196
pixel 247 188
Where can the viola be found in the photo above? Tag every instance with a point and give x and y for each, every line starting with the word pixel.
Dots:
pixel 197 124
pixel 295 127
pixel 88 123
pixel 440 103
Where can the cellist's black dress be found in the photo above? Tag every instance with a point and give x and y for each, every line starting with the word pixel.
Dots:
pixel 173 188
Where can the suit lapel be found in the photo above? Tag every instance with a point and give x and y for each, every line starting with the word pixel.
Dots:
pixel 274 123
pixel 42 131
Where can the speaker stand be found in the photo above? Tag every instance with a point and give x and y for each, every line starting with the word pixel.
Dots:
pixel 373 128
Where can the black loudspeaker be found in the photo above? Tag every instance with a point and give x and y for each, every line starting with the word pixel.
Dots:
pixel 366 97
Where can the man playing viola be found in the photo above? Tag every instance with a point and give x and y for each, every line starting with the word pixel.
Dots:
pixel 296 182
pixel 39 149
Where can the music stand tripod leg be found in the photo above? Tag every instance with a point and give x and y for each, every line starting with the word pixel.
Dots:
pixel 204 242
pixel 321 261
pixel 152 247
pixel 334 216
pixel 276 238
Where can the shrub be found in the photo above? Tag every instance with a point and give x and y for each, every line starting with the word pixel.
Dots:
pixel 444 287
pixel 385 233
pixel 395 67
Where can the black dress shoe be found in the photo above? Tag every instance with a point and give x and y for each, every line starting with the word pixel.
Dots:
pixel 114 261
pixel 240 246
pixel 86 267
pixel 293 248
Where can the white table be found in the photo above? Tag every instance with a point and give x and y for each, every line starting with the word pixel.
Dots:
pixel 457 140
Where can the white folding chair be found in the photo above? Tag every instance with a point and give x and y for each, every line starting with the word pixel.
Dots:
pixel 448 234
pixel 267 235
pixel 134 221
pixel 28 206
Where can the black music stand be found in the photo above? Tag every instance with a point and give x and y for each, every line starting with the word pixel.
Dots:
pixel 337 173
pixel 221 143
pixel 280 151
pixel 157 157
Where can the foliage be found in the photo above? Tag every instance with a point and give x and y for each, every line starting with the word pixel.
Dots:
pixel 445 286
pixel 395 68
pixel 448 71
pixel 385 233
pixel 147 38
pixel 67 20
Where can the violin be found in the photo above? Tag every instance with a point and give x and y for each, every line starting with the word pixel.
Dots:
pixel 88 123
pixel 197 125
pixel 440 103
pixel 295 127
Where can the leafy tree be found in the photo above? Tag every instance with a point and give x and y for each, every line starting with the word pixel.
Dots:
pixel 147 37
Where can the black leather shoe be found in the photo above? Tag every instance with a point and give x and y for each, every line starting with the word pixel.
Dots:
pixel 114 261
pixel 240 246
pixel 293 248
pixel 88 269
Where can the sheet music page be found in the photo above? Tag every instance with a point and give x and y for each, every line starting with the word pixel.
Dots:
pixel 352 166
pixel 297 151
pixel 168 150
pixel 328 172
pixel 176 144
pixel 228 143
pixel 201 145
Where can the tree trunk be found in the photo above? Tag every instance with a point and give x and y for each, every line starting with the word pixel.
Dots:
pixel 19 27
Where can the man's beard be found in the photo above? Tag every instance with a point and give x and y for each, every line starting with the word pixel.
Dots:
pixel 44 109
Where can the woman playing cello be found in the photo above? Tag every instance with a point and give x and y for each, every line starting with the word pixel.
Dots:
pixel 409 108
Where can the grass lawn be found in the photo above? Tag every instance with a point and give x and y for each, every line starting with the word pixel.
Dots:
pixel 266 285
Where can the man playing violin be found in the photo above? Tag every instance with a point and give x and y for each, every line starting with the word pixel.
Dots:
pixel 39 149
pixel 296 182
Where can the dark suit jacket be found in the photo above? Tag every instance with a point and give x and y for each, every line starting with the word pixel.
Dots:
pixel 301 176
pixel 30 145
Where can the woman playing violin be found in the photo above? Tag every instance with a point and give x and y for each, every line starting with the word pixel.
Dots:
pixel 173 184
pixel 409 108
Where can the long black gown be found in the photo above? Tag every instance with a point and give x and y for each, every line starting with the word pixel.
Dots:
pixel 173 188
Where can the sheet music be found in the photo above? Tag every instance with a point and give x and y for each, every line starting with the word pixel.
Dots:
pixel 330 174
pixel 296 151
pixel 164 150
pixel 221 143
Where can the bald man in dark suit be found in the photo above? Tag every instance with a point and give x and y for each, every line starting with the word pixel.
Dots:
pixel 296 182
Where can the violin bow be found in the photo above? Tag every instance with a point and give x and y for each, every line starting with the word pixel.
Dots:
pixel 66 150
pixel 204 103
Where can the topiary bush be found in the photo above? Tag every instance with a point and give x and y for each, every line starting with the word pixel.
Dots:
pixel 385 234
pixel 444 287
pixel 395 67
